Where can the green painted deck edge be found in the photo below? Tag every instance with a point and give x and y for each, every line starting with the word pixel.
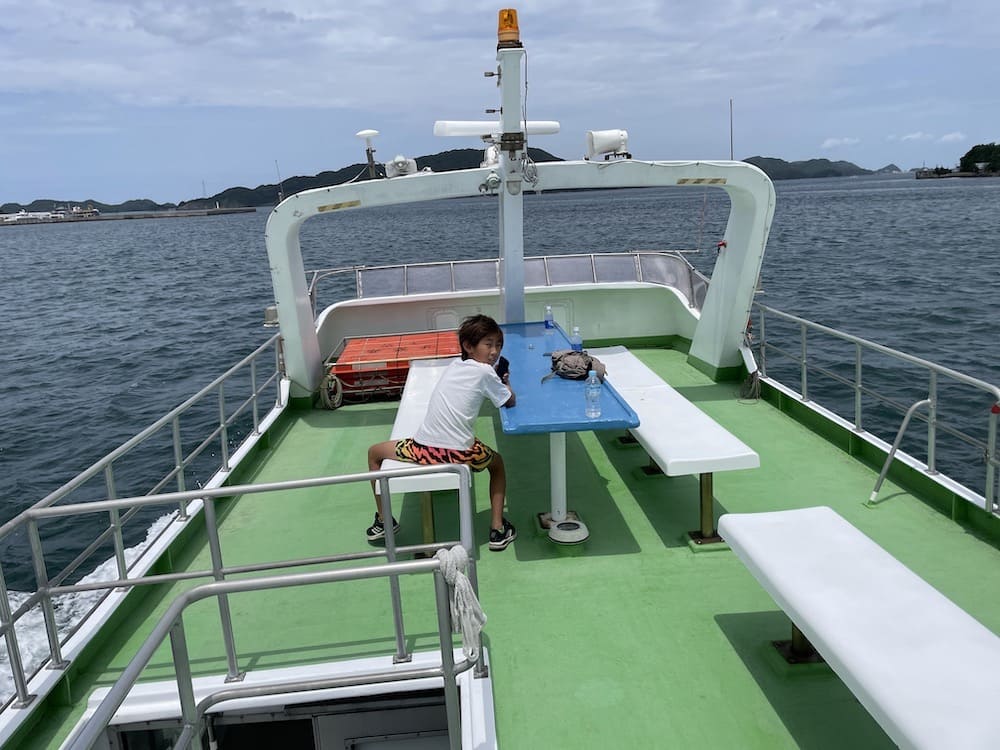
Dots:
pixel 935 495
pixel 718 374
pixel 677 343
pixel 665 342
pixel 301 403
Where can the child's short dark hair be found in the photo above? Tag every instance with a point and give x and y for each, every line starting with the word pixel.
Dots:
pixel 474 329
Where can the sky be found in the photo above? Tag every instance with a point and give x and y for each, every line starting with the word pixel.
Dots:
pixel 171 100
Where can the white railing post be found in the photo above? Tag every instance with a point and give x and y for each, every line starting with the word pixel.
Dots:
pixel 991 458
pixel 223 431
pixel 179 466
pixel 445 627
pixel 23 699
pixel 803 365
pixel 116 523
pixel 857 387
pixel 932 423
pixel 48 611
pixel 185 683
pixel 225 614
pixel 401 655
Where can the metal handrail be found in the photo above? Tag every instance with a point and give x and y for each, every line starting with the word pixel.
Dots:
pixel 318 275
pixel 46 592
pixel 99 466
pixel 105 466
pixel 688 290
pixel 895 447
pixel 172 625
pixel 934 371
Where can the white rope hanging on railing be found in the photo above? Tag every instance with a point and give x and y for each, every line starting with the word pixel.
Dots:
pixel 467 616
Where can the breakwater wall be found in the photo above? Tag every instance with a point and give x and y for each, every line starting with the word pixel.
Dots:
pixel 7 220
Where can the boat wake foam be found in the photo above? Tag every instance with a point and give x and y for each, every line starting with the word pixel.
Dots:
pixel 70 610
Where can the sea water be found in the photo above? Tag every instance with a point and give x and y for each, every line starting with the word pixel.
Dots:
pixel 111 324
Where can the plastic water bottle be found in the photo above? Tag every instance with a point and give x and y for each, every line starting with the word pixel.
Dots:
pixel 575 341
pixel 592 388
pixel 550 323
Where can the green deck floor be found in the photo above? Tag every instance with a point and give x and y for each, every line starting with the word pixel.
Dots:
pixel 630 640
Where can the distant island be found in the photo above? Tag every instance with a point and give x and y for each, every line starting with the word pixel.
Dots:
pixel 267 195
pixel 980 161
pixel 985 157
pixel 778 169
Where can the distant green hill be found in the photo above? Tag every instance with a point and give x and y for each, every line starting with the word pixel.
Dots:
pixel 987 154
pixel 464 158
pixel 778 169
pixel 47 204
pixel 267 195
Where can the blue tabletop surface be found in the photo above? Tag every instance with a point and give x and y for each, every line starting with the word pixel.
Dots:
pixel 557 405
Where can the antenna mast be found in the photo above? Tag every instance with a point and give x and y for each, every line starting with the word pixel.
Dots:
pixel 369 149
pixel 731 157
pixel 281 193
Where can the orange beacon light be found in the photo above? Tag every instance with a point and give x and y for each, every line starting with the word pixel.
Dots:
pixel 508 34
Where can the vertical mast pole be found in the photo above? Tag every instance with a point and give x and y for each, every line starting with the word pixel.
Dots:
pixel 509 56
pixel 731 130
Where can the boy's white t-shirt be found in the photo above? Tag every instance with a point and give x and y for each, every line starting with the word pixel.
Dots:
pixel 455 402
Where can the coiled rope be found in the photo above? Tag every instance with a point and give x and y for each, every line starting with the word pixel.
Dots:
pixel 467 616
pixel 331 391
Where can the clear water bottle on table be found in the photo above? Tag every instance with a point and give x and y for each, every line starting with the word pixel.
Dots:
pixel 592 388
pixel 576 341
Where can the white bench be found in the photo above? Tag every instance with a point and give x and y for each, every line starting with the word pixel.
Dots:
pixel 678 436
pixel 421 380
pixel 924 668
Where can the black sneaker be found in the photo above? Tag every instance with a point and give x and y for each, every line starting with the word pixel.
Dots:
pixel 500 539
pixel 377 530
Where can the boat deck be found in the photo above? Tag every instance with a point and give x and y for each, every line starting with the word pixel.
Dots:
pixel 629 640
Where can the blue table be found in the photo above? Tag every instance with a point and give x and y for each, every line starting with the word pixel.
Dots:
pixel 556 406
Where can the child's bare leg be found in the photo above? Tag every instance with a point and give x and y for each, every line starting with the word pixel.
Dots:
pixel 498 490
pixel 376 455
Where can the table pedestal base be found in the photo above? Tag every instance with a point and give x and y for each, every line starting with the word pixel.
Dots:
pixel 571 530
pixel 545 521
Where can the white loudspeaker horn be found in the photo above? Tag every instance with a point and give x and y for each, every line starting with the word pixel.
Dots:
pixel 400 166
pixel 491 156
pixel 606 142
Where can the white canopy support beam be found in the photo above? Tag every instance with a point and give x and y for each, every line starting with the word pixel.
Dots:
pixel 719 331
pixel 303 359
pixel 491 128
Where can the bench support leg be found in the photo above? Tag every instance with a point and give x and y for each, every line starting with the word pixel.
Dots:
pixel 652 469
pixel 706 534
pixel 707 516
pixel 798 650
pixel 627 439
pixel 800 644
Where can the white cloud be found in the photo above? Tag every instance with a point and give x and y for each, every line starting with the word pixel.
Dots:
pixel 246 53
pixel 664 71
pixel 956 137
pixel 837 142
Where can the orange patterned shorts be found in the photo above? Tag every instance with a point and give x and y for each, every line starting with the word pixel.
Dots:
pixel 478 457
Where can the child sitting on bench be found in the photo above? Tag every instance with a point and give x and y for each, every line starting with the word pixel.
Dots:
pixel 447 435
